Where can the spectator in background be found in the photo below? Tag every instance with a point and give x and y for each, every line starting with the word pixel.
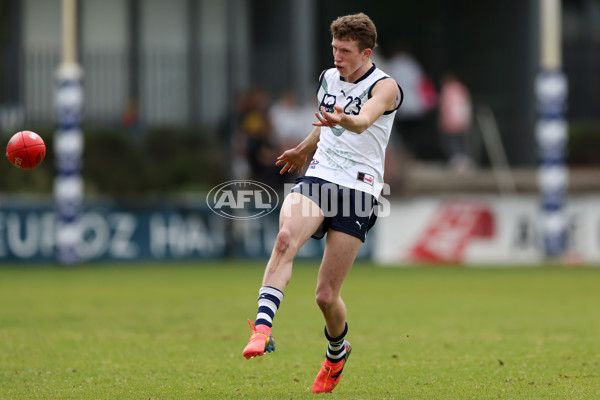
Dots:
pixel 455 115
pixel 254 139
pixel 419 99
pixel 289 120
pixel 419 93
pixel 130 119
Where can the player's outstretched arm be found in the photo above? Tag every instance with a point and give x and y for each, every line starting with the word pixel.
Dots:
pixel 383 98
pixel 296 157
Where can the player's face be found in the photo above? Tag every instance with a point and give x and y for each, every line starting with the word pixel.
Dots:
pixel 347 57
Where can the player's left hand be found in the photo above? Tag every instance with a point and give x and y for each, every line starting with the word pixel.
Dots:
pixel 329 119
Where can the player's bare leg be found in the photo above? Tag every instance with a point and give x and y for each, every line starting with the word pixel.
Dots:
pixel 340 252
pixel 298 220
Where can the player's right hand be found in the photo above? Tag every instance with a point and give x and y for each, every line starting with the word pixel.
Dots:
pixel 291 159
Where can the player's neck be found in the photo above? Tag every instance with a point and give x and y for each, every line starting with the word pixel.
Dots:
pixel 367 65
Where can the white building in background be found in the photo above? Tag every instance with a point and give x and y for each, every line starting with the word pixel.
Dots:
pixel 181 61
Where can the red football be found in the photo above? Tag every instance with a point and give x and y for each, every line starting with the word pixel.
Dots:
pixel 25 150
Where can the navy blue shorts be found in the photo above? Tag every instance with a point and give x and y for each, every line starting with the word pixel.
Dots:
pixel 346 210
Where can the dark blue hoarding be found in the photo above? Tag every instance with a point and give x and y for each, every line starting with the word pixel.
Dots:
pixel 109 231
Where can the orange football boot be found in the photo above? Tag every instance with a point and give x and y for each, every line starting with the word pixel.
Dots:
pixel 330 374
pixel 260 342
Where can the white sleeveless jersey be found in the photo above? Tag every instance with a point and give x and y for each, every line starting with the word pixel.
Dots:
pixel 344 157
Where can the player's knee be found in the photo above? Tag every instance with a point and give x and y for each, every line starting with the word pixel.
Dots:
pixel 283 242
pixel 324 298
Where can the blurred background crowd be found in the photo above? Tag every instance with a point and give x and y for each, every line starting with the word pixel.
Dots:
pixel 181 96
pixel 237 80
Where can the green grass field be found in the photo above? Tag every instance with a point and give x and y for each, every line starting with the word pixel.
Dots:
pixel 176 331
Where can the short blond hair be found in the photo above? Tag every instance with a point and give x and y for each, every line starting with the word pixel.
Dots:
pixel 357 27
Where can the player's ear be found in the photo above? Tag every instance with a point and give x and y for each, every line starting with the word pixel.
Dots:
pixel 367 52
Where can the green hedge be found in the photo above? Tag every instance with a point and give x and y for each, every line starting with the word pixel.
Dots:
pixel 584 143
pixel 115 163
pixel 174 161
